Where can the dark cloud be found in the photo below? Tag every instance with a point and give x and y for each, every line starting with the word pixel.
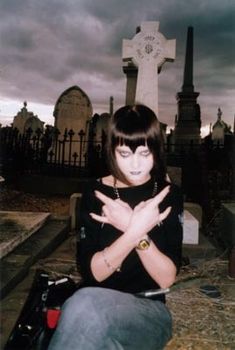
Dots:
pixel 50 45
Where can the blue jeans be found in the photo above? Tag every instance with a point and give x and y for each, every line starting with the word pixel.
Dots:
pixel 105 319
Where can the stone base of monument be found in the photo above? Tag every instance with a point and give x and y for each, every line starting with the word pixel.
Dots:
pixel 46 233
pixel 194 209
pixel 190 229
pixel 17 226
pixel 195 243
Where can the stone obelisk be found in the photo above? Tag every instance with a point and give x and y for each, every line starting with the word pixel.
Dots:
pixel 188 121
pixel 147 52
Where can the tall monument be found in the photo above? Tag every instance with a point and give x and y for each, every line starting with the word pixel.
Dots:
pixel 145 54
pixel 188 119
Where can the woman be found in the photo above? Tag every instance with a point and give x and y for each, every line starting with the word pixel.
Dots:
pixel 130 242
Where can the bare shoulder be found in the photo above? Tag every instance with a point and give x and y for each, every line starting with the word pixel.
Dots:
pixel 108 180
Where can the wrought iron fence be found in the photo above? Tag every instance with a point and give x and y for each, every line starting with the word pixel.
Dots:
pixel 51 153
pixel 74 154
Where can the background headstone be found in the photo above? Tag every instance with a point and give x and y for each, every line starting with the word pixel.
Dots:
pixel 25 120
pixel 73 111
pixel 34 124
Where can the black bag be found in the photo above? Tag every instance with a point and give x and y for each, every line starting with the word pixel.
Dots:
pixel 40 313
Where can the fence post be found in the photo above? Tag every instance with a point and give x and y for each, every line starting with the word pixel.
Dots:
pixel 81 135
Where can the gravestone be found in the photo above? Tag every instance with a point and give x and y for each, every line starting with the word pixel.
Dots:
pixel 220 129
pixel 148 51
pixel 34 124
pixel 25 120
pixel 73 111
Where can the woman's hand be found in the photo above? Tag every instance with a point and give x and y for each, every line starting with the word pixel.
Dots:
pixel 137 222
pixel 114 212
pixel 146 215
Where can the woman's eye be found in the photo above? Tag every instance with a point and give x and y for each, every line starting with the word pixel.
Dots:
pixel 145 153
pixel 124 154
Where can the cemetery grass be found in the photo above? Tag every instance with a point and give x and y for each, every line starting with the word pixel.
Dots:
pixel 199 322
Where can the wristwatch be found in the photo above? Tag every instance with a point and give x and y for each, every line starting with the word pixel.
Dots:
pixel 144 243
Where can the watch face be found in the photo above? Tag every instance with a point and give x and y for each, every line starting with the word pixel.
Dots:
pixel 143 244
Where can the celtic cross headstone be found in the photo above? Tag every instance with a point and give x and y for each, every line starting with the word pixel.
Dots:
pixel 148 50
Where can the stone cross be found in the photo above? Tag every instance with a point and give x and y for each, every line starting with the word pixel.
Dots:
pixel 148 50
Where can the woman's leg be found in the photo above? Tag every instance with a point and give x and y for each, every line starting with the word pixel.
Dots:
pixel 105 319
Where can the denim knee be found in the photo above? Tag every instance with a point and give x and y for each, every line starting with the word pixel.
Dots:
pixel 89 306
pixel 102 319
pixel 80 305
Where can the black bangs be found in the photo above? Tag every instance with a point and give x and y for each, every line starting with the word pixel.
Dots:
pixel 132 143
pixel 132 129
pixel 132 124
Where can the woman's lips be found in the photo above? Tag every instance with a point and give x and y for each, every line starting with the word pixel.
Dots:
pixel 135 172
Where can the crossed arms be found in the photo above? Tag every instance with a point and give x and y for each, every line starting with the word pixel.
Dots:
pixel 135 224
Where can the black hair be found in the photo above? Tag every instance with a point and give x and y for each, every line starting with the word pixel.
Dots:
pixel 134 126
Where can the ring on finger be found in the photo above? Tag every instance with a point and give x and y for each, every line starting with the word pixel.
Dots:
pixel 102 214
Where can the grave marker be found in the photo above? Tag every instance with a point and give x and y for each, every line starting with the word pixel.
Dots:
pixel 148 51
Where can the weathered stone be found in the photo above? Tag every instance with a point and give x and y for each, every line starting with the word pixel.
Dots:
pixel 190 229
pixel 148 51
pixel 188 119
pixel 25 120
pixel 16 227
pixel 196 210
pixel 72 111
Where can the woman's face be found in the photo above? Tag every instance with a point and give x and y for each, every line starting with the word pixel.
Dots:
pixel 135 166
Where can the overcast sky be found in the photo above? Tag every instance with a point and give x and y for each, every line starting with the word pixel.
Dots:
pixel 47 46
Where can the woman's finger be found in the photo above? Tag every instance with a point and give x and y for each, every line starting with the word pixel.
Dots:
pixel 99 218
pixel 164 214
pixel 160 196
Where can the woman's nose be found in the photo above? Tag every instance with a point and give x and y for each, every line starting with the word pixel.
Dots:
pixel 135 161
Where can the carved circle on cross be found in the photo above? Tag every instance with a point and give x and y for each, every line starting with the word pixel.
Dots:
pixel 149 47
